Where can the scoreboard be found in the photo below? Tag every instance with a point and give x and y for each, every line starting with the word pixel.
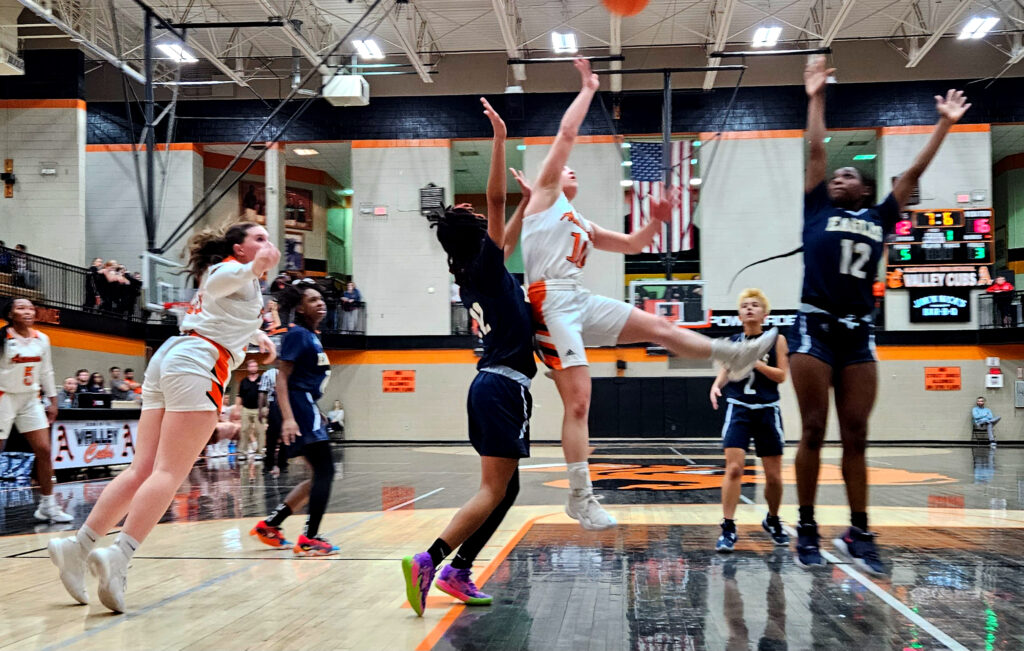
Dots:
pixel 926 241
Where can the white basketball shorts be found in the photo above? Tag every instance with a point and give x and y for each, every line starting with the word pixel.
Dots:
pixel 187 373
pixel 21 410
pixel 568 317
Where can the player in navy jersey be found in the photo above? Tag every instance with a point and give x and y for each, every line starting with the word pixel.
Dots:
pixel 302 376
pixel 752 412
pixel 832 342
pixel 499 402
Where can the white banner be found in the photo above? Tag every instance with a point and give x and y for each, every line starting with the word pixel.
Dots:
pixel 85 443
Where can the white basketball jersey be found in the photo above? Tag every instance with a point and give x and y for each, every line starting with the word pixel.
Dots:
pixel 226 309
pixel 26 365
pixel 556 242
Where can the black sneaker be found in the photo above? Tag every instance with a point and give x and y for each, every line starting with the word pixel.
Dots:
pixel 808 555
pixel 859 547
pixel 727 541
pixel 773 525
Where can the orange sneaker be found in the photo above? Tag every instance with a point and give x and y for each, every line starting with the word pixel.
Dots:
pixel 268 535
pixel 316 546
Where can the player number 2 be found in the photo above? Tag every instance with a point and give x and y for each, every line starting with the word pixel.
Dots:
pixel 856 269
pixel 748 388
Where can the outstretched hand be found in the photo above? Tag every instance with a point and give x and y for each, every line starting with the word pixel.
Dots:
pixel 587 77
pixel 496 122
pixel 662 207
pixel 953 106
pixel 816 76
pixel 524 185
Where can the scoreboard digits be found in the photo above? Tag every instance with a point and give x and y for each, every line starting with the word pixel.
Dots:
pixel 942 237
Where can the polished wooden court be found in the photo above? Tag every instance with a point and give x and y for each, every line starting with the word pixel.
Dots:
pixel 950 520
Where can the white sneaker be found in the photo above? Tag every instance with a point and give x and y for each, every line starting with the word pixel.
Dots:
pixel 110 566
pixel 739 358
pixel 589 513
pixel 51 512
pixel 69 557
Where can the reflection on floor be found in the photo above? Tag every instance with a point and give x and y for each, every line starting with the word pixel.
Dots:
pixel 951 522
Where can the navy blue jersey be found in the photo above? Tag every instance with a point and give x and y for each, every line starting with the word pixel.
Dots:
pixel 842 249
pixel 495 300
pixel 310 367
pixel 756 388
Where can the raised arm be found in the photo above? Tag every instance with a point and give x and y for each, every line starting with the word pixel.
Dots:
pixel 496 178
pixel 815 78
pixel 951 108
pixel 515 225
pixel 548 185
pixel 661 212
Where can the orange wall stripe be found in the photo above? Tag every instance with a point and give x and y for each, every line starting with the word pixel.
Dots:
pixel 43 104
pixel 81 340
pixel 388 144
pixel 291 172
pixel 927 128
pixel 175 146
pixel 1016 267
pixel 639 355
pixel 753 135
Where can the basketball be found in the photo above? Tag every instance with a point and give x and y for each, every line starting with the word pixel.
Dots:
pixel 625 7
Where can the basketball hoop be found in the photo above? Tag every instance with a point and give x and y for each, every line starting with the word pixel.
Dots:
pixel 178 309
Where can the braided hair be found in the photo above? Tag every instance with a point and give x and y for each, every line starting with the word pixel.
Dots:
pixel 461 233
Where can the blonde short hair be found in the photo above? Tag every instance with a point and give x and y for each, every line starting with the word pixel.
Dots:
pixel 754 292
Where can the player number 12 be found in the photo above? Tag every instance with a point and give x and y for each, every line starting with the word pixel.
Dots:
pixel 849 266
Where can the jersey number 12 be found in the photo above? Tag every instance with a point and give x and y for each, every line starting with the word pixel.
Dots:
pixel 849 266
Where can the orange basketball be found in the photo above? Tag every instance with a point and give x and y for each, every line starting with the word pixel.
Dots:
pixel 625 7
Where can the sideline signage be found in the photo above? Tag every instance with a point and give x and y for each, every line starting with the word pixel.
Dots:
pixel 89 443
pixel 940 305
pixel 399 381
pixel 942 378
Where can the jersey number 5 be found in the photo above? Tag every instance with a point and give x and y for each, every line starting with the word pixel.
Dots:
pixel 849 266
pixel 579 251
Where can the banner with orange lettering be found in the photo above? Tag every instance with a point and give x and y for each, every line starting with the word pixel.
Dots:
pixel 86 443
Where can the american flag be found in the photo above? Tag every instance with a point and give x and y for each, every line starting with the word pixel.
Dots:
pixel 646 172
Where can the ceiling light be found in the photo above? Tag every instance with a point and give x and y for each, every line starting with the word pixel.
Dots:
pixel 695 182
pixel 368 49
pixel 520 147
pixel 626 145
pixel 697 143
pixel 348 192
pixel 627 163
pixel 865 157
pixel 626 183
pixel 767 36
pixel 563 43
pixel 977 27
pixel 306 152
pixel 176 53
pixel 828 138
pixel 693 161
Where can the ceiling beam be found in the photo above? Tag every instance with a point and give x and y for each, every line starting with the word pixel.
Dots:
pixel 217 63
pixel 508 15
pixel 615 49
pixel 833 29
pixel 407 46
pixel 939 32
pixel 721 21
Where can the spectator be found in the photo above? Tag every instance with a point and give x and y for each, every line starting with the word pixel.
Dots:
pixel 983 417
pixel 24 275
pixel 248 401
pixel 92 279
pixel 271 320
pixel 118 387
pixel 279 284
pixel 6 264
pixel 336 416
pixel 82 377
pixel 1002 297
pixel 95 384
pixel 67 397
pixel 274 463
pixel 133 386
pixel 351 303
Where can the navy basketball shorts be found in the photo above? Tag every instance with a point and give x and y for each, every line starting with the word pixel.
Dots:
pixel 839 342
pixel 312 424
pixel 763 424
pixel 499 410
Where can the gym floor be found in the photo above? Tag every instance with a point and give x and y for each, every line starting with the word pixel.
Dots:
pixel 949 520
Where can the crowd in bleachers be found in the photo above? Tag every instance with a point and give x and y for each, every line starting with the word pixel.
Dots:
pixel 345 304
pixel 85 388
pixel 110 287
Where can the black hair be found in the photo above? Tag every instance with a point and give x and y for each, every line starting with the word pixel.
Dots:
pixel 289 298
pixel 129 370
pixel 81 370
pixel 981 397
pixel 113 368
pixel 461 234
pixel 6 313
pixel 867 181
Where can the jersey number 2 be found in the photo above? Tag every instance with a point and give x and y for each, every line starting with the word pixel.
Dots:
pixel 849 266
